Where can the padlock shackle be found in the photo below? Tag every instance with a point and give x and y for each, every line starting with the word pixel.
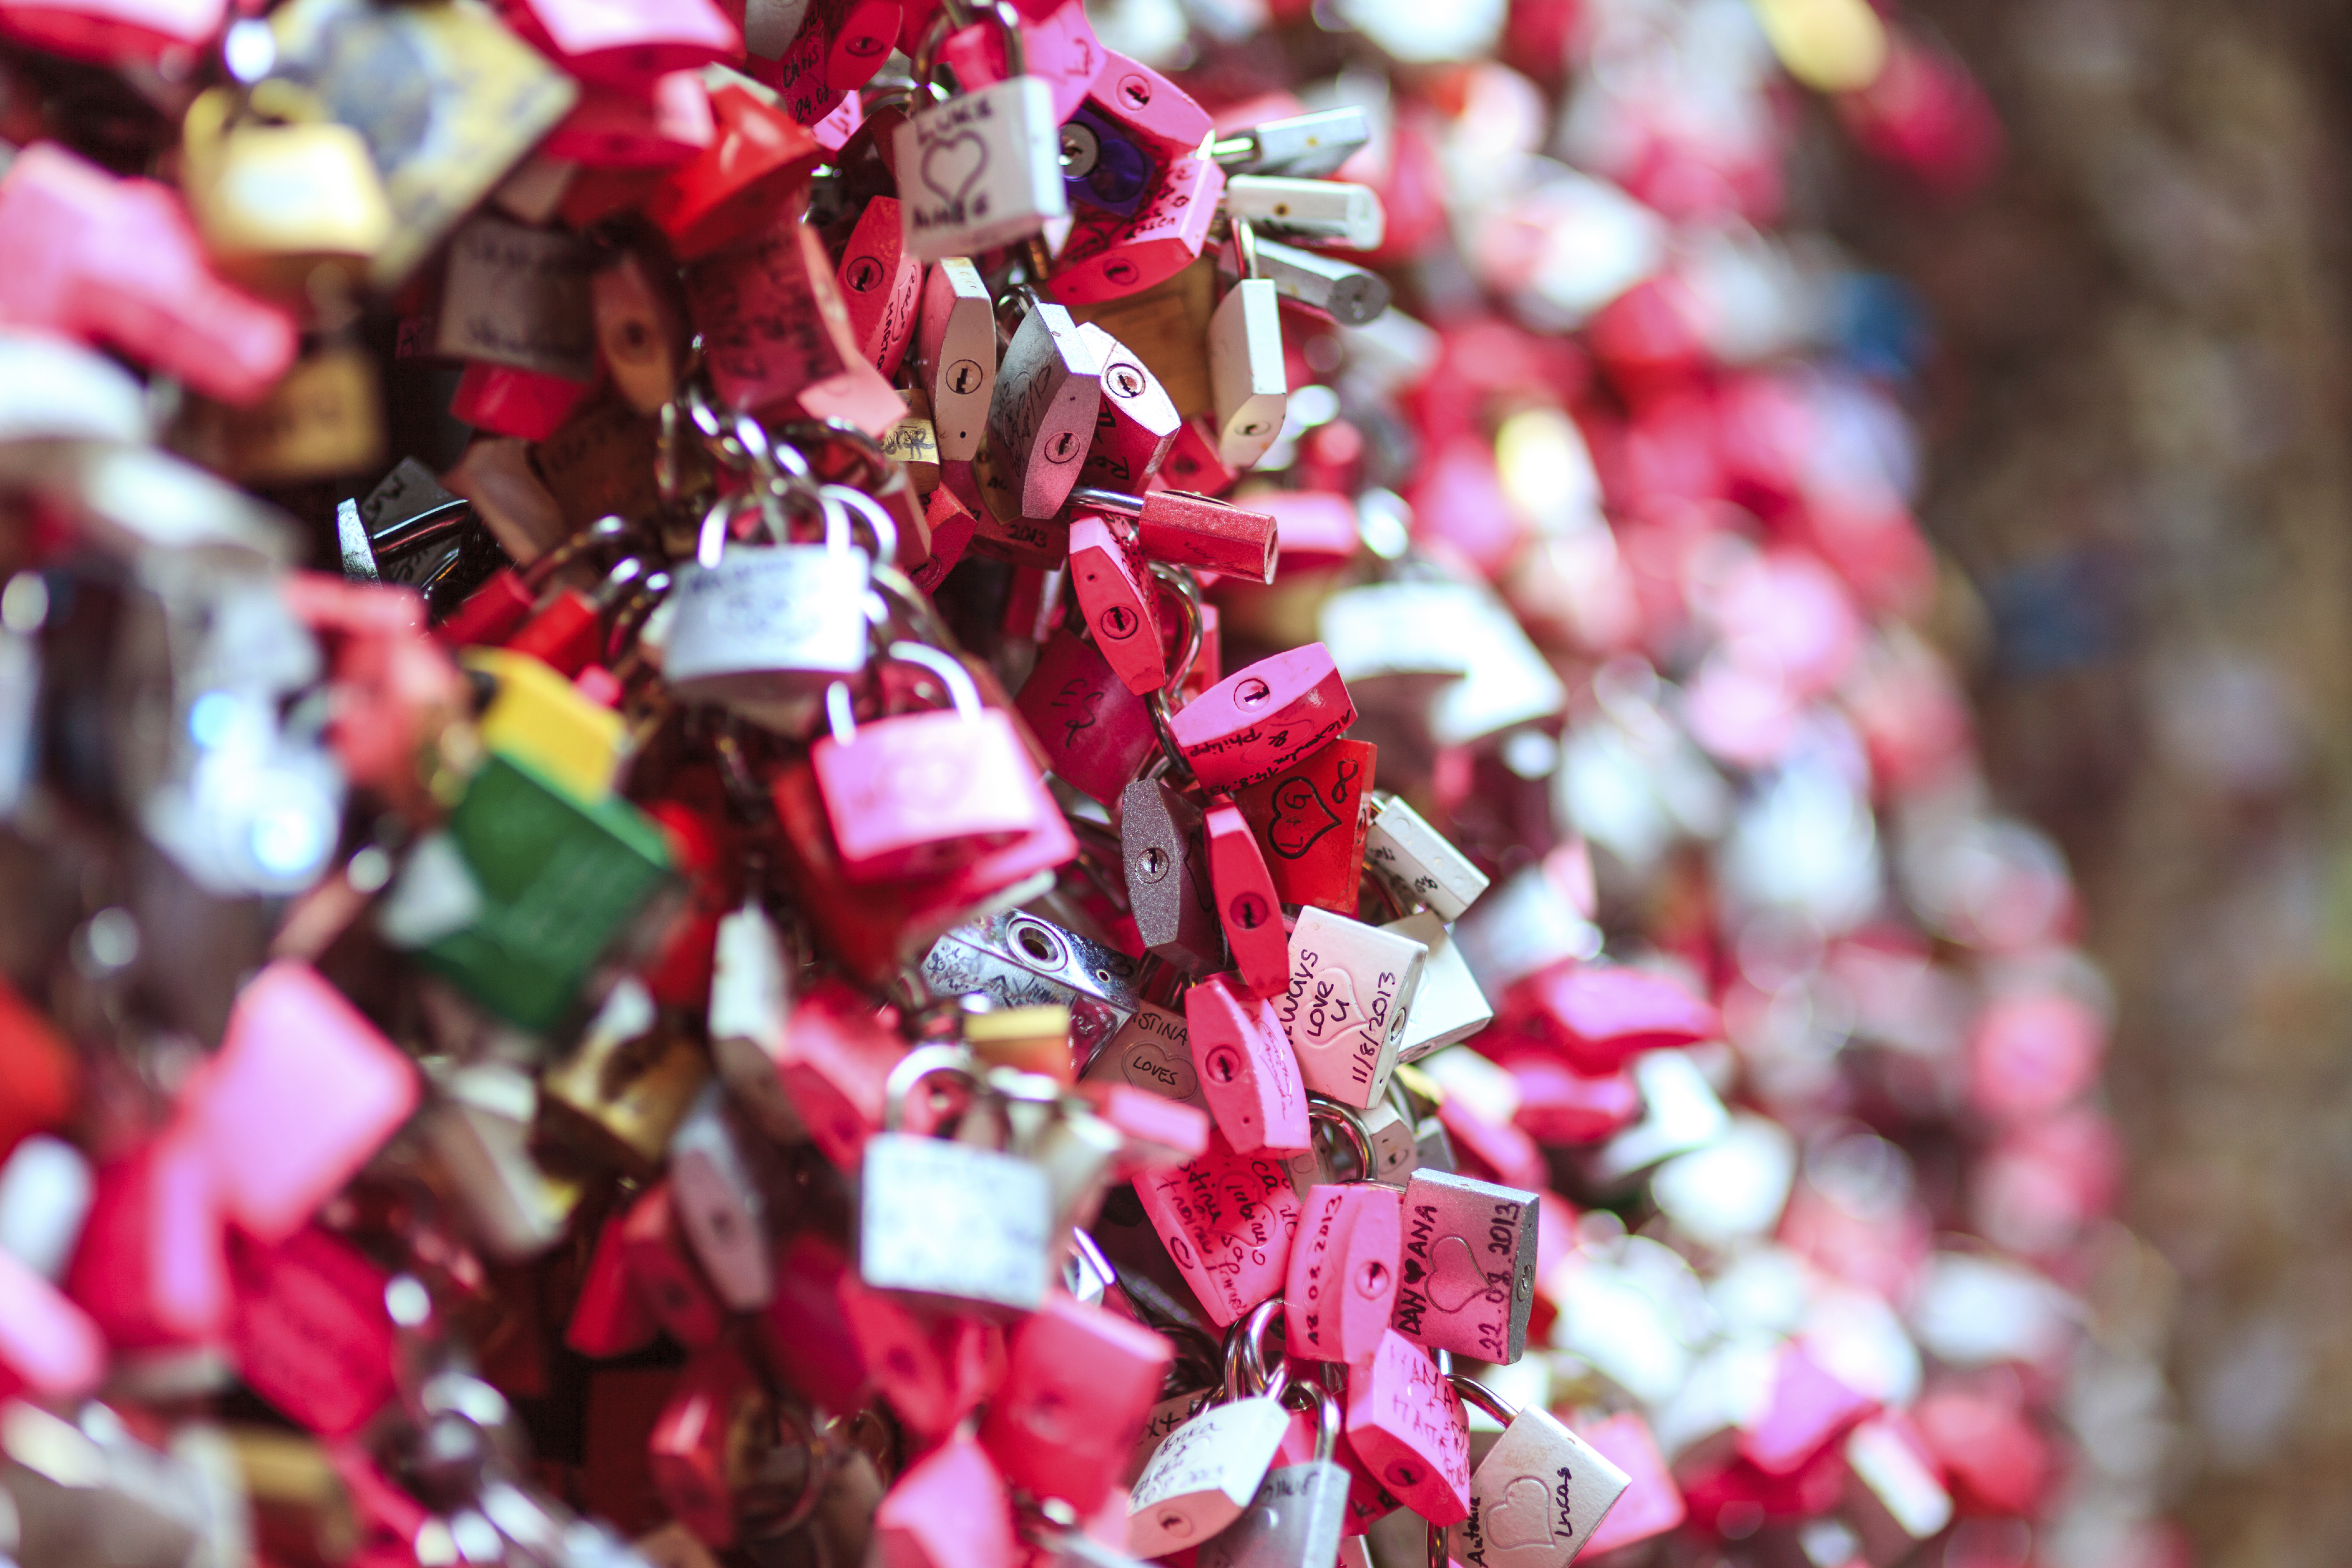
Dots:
pixel 1473 1392
pixel 1323 1107
pixel 1245 235
pixel 1329 1417
pixel 1247 1374
pixel 963 690
pixel 879 524
pixel 916 1066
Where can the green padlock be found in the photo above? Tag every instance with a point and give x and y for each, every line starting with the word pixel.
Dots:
pixel 559 880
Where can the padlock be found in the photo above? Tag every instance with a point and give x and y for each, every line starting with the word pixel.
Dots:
pixel 1469 1266
pixel 661 127
pixel 1246 1071
pixel 150 1267
pixel 699 1446
pixel 933 1367
pixel 106 32
pixel 1320 212
pixel 1304 146
pixel 628 45
pixel 275 201
pixel 834 1066
pixel 765 628
pixel 1310 820
pixel 1097 734
pixel 1314 281
pixel 750 1016
pixel 1138 421
pixel 1167 884
pixel 309 1332
pixel 982 169
pixel 1057 45
pixel 1416 858
pixel 1343 1274
pixel 1104 165
pixel 1447 1005
pixel 1389 1134
pixel 947 1222
pixel 1205 1474
pixel 1538 1496
pixel 718 1186
pixel 1188 530
pixel 622 1090
pixel 1295 1519
pixel 573 630
pixel 956 349
pixel 1405 1425
pixel 1017 959
pixel 1079 1383
pixel 1227 1220
pixel 1040 412
pixel 881 286
pixel 538 717
pixel 1120 600
pixel 911 794
pixel 302 1093
pixel 1314 1166
pixel 739 185
pixel 1263 719
pixel 1111 252
pixel 1350 990
pixel 1247 905
pixel 776 333
pixel 518 297
pixel 481 1134
pixel 640 329
pixel 608 1317
pixel 1152 1052
pixel 1246 370
pixel 664 1273
pixel 947 1510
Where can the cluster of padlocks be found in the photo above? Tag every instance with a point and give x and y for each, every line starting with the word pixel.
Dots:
pixel 997 872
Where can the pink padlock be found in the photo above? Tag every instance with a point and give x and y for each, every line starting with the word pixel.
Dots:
pixel 1247 906
pixel 110 30
pixel 1809 1408
pixel 1078 1383
pixel 1405 1423
pixel 1651 1503
pixel 1469 1266
pixel 628 43
pixel 1057 45
pixel 615 128
pixel 664 1272
pixel 1228 1221
pixel 1107 256
pixel 1264 718
pixel 309 1332
pixel 151 1265
pixel 880 284
pixel 688 1449
pixel 947 1510
pixel 912 795
pixel 1342 1283
pixel 48 1347
pixel 1599 1014
pixel 1138 423
pixel 304 1091
pixel 119 262
pixel 1247 1073
pixel 608 1317
pixel 1096 733
pixel 935 1368
pixel 776 333
pixel 834 1061
pixel 1121 600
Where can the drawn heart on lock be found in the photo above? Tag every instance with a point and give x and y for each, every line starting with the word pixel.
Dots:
pixel 951 171
pixel 1520 1519
pixel 1330 1016
pixel 1300 818
pixel 1453 1276
pixel 1148 1065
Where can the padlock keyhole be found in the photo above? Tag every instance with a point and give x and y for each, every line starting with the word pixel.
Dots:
pixel 1224 1064
pixel 1248 911
pixel 1152 864
pixel 1252 693
pixel 1372 1280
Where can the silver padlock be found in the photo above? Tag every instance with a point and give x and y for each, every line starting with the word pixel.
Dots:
pixel 763 628
pixel 1313 1167
pixel 1417 861
pixel 1041 414
pixel 749 1013
pixel 1295 1519
pixel 1349 1001
pixel 718 1182
pixel 1328 212
pixel 983 169
pixel 482 1132
pixel 1537 1497
pixel 1447 1005
pixel 1205 1473
pixel 1390 1136
pixel 518 296
pixel 955 347
pixel 947 1224
pixel 1017 959
pixel 1247 377
pixel 1304 146
pixel 1313 280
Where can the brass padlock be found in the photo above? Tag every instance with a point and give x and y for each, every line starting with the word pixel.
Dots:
pixel 278 189
pixel 622 1092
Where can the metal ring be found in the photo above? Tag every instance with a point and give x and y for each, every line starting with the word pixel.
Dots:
pixel 1473 1392
pixel 913 1069
pixel 1323 1107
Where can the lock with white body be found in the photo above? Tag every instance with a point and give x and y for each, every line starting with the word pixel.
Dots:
pixel 1350 998
pixel 1247 372
pixel 983 169
pixel 1537 1497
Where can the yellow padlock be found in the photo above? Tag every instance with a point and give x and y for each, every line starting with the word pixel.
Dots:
pixel 278 189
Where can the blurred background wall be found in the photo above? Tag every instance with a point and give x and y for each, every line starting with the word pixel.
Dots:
pixel 2138 448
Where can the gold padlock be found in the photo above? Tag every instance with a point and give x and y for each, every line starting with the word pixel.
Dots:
pixel 621 1094
pixel 278 189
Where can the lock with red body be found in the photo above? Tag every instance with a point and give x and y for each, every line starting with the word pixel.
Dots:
pixel 1264 718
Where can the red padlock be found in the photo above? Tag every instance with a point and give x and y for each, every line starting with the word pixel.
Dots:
pixel 1342 1282
pixel 1227 1219
pixel 151 1265
pixel 310 1330
pixel 1311 819
pixel 1121 600
pixel 880 284
pixel 1096 733
pixel 664 1272
pixel 935 1368
pixel 835 1062
pixel 1078 1384
pixel 615 128
pixel 628 43
pixel 1247 905
pixel 695 1441
pixel 737 187
pixel 38 1073
pixel 528 405
pixel 1263 719
pixel 608 1317
pixel 776 333
pixel 1246 1072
